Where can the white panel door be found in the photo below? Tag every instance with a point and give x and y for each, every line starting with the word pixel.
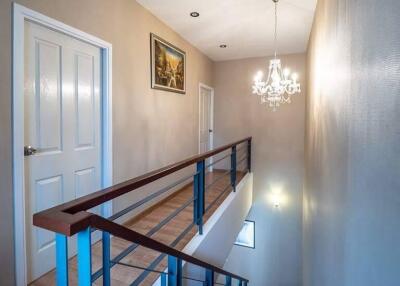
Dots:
pixel 206 127
pixel 62 122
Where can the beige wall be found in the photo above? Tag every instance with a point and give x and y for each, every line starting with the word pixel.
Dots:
pixel 151 128
pixel 278 157
pixel 352 185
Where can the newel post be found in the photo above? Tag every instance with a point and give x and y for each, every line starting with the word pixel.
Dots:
pixel 84 258
pixel 61 259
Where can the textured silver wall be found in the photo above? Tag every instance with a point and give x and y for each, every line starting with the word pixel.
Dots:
pixel 352 190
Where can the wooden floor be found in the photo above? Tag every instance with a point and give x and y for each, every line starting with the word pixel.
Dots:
pixel 124 275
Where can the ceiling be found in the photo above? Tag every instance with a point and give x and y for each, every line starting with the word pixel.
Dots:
pixel 245 26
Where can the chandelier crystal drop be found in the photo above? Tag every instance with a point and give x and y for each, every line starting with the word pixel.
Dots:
pixel 280 84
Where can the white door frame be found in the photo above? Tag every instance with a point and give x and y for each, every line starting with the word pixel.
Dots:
pixel 202 85
pixel 20 15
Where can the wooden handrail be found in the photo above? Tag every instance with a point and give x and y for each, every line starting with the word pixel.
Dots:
pixel 70 218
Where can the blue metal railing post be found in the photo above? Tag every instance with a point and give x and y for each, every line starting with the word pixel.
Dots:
pixel 106 258
pixel 244 283
pixel 233 168
pixel 84 258
pixel 61 259
pixel 209 277
pixel 228 281
pixel 174 271
pixel 163 279
pixel 199 189
pixel 240 283
pixel 202 184
pixel 249 155
pixel 196 212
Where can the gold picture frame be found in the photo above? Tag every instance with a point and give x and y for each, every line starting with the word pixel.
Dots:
pixel 168 66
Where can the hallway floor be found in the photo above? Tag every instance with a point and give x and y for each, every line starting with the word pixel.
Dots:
pixel 143 223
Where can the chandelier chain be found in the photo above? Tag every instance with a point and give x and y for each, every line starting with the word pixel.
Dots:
pixel 278 87
pixel 276 24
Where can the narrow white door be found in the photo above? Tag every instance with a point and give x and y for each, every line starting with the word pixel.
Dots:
pixel 206 122
pixel 62 128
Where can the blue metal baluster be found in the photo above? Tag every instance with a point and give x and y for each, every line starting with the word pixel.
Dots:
pixel 201 194
pixel 233 168
pixel 249 155
pixel 163 279
pixel 61 259
pixel 244 283
pixel 228 281
pixel 106 259
pixel 84 258
pixel 196 195
pixel 240 283
pixel 209 277
pixel 174 271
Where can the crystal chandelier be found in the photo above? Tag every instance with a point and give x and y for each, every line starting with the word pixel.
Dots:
pixel 280 85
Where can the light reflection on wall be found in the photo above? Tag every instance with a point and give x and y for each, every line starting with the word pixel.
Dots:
pixel 277 197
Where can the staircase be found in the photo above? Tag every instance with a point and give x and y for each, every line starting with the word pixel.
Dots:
pixel 147 248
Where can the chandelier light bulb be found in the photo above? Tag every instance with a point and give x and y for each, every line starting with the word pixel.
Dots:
pixel 278 88
pixel 286 72
pixel 259 75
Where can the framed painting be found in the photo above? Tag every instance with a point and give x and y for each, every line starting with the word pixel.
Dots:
pixel 168 66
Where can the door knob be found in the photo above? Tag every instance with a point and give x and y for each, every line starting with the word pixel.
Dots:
pixel 29 151
pixel 210 130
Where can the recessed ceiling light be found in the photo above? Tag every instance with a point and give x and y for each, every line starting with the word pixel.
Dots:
pixel 195 14
pixel 223 46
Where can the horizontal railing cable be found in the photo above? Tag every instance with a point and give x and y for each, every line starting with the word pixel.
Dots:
pixel 193 279
pixel 241 148
pixel 218 197
pixel 149 198
pixel 246 168
pixel 217 179
pixel 150 233
pixel 145 273
pixel 219 160
pixel 155 262
pixel 138 267
pixel 241 160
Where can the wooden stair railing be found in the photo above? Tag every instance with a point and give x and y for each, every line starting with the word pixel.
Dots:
pixel 73 218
